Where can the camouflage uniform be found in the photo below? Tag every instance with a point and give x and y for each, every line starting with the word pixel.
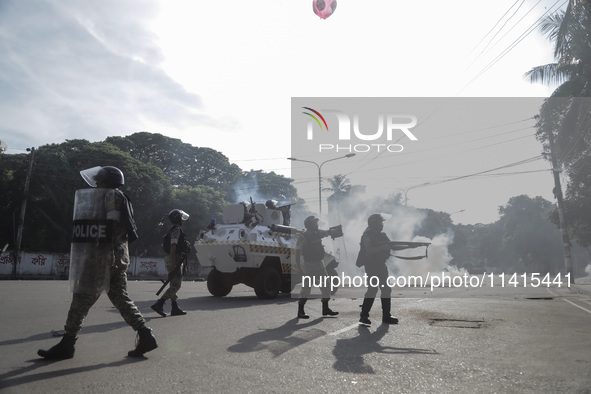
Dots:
pixel 103 225
pixel 118 258
pixel 174 256
pixel 177 278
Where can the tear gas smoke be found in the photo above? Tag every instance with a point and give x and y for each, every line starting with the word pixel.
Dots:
pixel 402 224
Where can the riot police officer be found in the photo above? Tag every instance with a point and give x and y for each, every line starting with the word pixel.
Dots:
pixel 99 257
pixel 176 244
pixel 376 248
pixel 311 249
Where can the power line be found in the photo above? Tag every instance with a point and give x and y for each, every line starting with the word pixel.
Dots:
pixel 501 28
pixel 526 161
pixel 527 32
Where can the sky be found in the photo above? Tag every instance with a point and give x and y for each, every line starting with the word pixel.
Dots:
pixel 223 74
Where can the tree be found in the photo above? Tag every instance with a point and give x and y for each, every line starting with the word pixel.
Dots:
pixel 201 179
pixel 13 171
pixel 182 163
pixel 570 31
pixel 202 203
pixel 54 180
pixel 338 184
pixel 262 186
pixel 527 232
pixel 567 120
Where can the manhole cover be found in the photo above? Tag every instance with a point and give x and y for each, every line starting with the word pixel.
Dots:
pixel 457 323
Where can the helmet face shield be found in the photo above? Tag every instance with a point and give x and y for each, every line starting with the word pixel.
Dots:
pixel 109 176
pixel 90 174
pixel 177 214
pixel 184 215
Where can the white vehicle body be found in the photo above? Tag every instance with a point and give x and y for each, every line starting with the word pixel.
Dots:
pixel 251 247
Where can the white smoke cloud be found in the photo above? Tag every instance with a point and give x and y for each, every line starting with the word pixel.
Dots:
pixel 402 224
pixel 247 188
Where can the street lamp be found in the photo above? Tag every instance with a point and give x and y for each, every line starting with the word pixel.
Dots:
pixel 461 210
pixel 320 175
pixel 405 191
pixel 19 231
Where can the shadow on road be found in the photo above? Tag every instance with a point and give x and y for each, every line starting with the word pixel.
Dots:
pixel 12 378
pixel 211 303
pixel 85 329
pixel 280 339
pixel 349 352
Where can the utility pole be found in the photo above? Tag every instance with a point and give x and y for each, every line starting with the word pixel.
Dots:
pixel 19 231
pixel 558 194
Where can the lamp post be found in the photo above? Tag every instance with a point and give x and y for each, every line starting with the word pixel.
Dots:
pixel 320 175
pixel 453 213
pixel 19 231
pixel 405 191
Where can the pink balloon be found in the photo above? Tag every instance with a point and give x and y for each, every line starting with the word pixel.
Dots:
pixel 324 8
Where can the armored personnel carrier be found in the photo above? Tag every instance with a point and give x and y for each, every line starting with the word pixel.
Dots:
pixel 255 246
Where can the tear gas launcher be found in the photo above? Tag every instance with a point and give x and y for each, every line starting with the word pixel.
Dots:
pixel 400 245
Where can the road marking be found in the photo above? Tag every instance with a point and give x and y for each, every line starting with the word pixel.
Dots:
pixel 572 303
pixel 342 330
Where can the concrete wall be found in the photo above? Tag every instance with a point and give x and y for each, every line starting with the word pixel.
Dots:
pixel 58 265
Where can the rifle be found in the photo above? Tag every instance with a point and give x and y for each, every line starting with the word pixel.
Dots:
pixel 173 273
pixel 409 245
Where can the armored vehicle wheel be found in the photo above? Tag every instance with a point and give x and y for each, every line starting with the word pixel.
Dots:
pixel 267 283
pixel 217 285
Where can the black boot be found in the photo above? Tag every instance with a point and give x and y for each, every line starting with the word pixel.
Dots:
pixel 365 308
pixel 61 351
pixel 326 311
pixel 144 343
pixel 386 316
pixel 176 311
pixel 158 307
pixel 301 313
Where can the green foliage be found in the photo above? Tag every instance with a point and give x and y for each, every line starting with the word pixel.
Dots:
pixel 570 31
pixel 522 239
pixel 577 203
pixel 565 118
pixel 202 203
pixel 161 174
pixel 182 163
pixel 434 223
pixel 338 184
pixel 529 234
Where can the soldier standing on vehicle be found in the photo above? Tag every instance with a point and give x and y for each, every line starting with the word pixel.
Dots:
pixel 375 249
pixel 311 249
pixel 177 247
pixel 103 224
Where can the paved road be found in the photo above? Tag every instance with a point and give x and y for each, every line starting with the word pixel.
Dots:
pixel 460 340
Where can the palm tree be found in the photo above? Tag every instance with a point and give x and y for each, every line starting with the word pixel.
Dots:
pixel 564 120
pixel 571 32
pixel 339 184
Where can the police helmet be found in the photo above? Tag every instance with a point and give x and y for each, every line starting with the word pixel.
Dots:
pixel 109 175
pixel 178 215
pixel 311 221
pixel 271 204
pixel 374 219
